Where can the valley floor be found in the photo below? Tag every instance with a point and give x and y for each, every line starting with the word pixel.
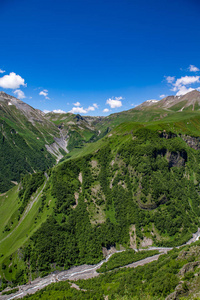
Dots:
pixel 83 272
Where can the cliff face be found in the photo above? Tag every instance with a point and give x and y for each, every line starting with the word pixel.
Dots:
pixel 193 142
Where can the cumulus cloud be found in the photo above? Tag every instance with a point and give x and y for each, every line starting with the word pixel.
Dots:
pixel 170 79
pixel 59 111
pixel 91 108
pixel 2 71
pixel 78 110
pixel 162 96
pixel 186 80
pixel 77 104
pixel 116 102
pixel 183 84
pixel 192 68
pixel 81 110
pixel 20 94
pixel 12 81
pixel 44 93
pixel 106 110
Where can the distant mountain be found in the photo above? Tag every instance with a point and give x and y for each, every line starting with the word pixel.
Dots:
pixel 189 101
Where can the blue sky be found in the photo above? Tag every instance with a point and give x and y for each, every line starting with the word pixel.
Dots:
pixel 98 57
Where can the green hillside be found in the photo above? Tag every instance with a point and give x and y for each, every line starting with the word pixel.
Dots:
pixel 137 186
pixel 24 137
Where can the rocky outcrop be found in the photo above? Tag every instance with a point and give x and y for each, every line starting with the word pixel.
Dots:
pixel 193 142
pixel 188 268
pixel 176 159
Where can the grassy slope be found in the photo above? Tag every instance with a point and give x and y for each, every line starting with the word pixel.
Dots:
pixel 20 139
pixel 19 232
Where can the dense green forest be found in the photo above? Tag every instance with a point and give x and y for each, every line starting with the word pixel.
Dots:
pixel 124 258
pixel 100 196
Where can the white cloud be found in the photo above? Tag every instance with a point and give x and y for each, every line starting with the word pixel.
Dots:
pixel 78 110
pixel 182 85
pixel 91 108
pixel 12 81
pixel 114 102
pixel 170 79
pixel 192 68
pixel 19 94
pixel 198 89
pixel 106 110
pixel 162 96
pixel 45 94
pixel 95 105
pixel 186 80
pixel 77 103
pixel 81 110
pixel 2 71
pixel 183 90
pixel 59 111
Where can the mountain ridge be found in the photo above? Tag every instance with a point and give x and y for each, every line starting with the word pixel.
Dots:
pixel 136 186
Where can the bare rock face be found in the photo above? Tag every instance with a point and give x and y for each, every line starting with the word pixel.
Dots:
pixel 193 142
pixel 33 115
pixel 176 159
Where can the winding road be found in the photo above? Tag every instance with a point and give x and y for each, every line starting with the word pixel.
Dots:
pixel 85 271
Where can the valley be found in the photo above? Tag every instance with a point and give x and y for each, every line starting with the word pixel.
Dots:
pixel 128 181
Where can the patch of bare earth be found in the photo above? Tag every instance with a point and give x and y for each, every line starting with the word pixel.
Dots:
pixel 111 183
pixel 75 286
pixel 123 184
pixel 94 163
pixel 97 214
pixel 76 196
pixel 132 233
pixel 3 194
pixel 80 177
pixel 106 251
pixel 112 163
pixel 146 242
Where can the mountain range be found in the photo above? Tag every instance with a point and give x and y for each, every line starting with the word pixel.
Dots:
pixel 73 186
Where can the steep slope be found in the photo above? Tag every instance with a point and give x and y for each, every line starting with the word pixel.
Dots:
pixel 27 141
pixel 78 129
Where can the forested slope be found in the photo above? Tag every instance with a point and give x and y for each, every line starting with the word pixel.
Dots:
pixel 139 188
